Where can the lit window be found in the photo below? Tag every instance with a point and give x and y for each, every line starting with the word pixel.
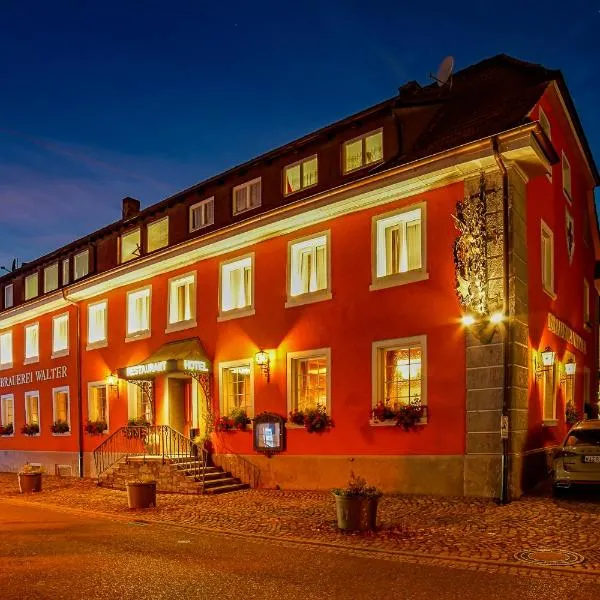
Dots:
pixel 138 312
pixel 97 323
pixel 182 300
pixel 97 402
pixel 158 234
pixel 61 412
pixel 400 372
pixel 566 177
pixel 236 387
pixel 31 286
pixel 8 296
pixel 60 335
pixel 544 123
pixel 308 379
pixel 81 264
pixel 138 403
pixel 586 302
pixel 7 414
pixel 6 349
pixel 65 271
pixel 51 278
pixel 547 254
pixel 32 408
pixel 236 284
pixel 246 196
pixel 300 175
pixel 131 245
pixel 32 342
pixel 202 214
pixel 309 266
pixel 362 151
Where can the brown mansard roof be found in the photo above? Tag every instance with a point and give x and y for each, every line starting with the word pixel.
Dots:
pixel 484 99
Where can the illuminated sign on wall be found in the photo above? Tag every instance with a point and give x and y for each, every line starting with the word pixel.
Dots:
pixel 562 330
pixel 31 376
pixel 195 365
pixel 146 369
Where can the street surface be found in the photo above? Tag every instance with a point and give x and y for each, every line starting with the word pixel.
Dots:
pixel 50 553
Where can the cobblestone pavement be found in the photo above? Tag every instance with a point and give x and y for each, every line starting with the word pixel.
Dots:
pixel 446 528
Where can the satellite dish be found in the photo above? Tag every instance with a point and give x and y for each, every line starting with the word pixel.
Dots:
pixel 444 72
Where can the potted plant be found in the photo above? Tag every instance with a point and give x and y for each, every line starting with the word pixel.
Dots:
pixel 314 419
pixel 7 429
pixel 356 505
pixel 224 424
pixel 383 412
pixel 406 416
pixel 141 493
pixel 60 427
pixel 30 429
pixel 139 422
pixel 30 478
pixel 240 418
pixel 96 427
pixel 571 414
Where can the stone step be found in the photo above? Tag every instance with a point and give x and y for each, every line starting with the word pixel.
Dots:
pixel 207 476
pixel 223 481
pixel 234 487
pixel 191 465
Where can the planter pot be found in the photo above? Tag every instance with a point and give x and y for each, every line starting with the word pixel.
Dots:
pixel 141 495
pixel 30 482
pixel 356 513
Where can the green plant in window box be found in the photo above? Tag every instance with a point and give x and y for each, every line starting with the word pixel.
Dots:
pixel 7 429
pixel 60 427
pixel 224 424
pixel 240 418
pixel 139 422
pixel 30 429
pixel 409 415
pixel 96 427
pixel 356 504
pixel 383 412
pixel 314 419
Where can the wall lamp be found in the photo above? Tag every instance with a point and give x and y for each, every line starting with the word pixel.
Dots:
pixel 264 362
pixel 569 370
pixel 547 361
pixel 112 381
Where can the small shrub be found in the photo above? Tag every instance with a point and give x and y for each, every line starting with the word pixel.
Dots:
pixel 7 429
pixel 60 427
pixel 30 429
pixel 96 427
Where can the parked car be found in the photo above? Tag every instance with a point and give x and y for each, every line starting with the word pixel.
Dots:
pixel 577 461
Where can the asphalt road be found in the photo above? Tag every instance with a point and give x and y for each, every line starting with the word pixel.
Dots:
pixel 52 554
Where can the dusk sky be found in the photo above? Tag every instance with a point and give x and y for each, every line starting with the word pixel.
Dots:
pixel 144 98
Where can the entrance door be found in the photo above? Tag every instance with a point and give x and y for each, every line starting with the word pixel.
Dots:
pixel 179 405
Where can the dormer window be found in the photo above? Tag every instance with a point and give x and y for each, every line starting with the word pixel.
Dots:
pixel 51 278
pixel 362 151
pixel 8 296
pixel 247 196
pixel 300 175
pixel 131 245
pixel 158 234
pixel 31 286
pixel 81 264
pixel 202 214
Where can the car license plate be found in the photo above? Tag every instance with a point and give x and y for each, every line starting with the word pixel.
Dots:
pixel 591 459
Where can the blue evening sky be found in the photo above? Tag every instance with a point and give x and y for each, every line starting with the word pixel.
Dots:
pixel 100 100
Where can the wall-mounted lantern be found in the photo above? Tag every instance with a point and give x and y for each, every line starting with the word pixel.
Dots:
pixel 264 362
pixel 547 361
pixel 112 381
pixel 570 369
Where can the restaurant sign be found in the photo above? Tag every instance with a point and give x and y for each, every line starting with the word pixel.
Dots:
pixel 562 330
pixel 151 369
pixel 34 376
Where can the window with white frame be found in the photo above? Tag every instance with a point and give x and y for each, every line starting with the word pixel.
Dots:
pixel 236 386
pixel 308 377
pixel 237 285
pixel 400 372
pixel 7 414
pixel 81 264
pixel 51 278
pixel 97 402
pixel 157 234
pixel 586 302
pixel 8 295
pixel 31 286
pixel 549 394
pixel 66 271
pixel 61 410
pixel 545 123
pixel 362 151
pixel 6 350
pixel 202 214
pixel 60 335
pixel 566 177
pixel 138 312
pixel 182 300
pixel 131 245
pixel 308 268
pixel 97 323
pixel 547 254
pixel 32 342
pixel 300 175
pixel 32 408
pixel 247 196
pixel 138 403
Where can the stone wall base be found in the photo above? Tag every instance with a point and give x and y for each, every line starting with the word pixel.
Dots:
pixel 55 463
pixel 529 470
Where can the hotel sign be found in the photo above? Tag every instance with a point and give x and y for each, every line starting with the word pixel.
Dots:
pixel 31 376
pixel 562 330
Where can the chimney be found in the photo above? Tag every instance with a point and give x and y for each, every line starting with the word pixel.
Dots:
pixel 131 207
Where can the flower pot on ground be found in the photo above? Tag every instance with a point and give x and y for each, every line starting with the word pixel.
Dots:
pixel 30 429
pixel 30 479
pixel 141 493
pixel 356 505
pixel 96 427
pixel 60 427
pixel 7 429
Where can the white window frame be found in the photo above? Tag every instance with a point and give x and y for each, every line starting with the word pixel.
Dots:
pixel 28 394
pixel 101 343
pixel 125 234
pixel 302 187
pixel 291 380
pixel 49 269
pixel 76 274
pixel 235 313
pixel 376 369
pixel 3 399
pixel 9 292
pixel 144 333
pixel 66 271
pixel 188 323
pixel 206 202
pixel 546 231
pixel 7 364
pixel 246 184
pixel 248 362
pixel 566 168
pixel 363 164
pixel 154 224
pixel 318 295
pixel 379 282
pixel 96 384
pixel 64 388
pixel 32 276
pixel 587 317
pixel 62 351
pixel 27 360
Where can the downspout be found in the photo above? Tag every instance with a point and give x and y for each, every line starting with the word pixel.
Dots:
pixel 79 398
pixel 504 492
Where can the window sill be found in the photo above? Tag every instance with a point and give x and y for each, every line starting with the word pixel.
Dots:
pixel 68 434
pixel 31 436
pixel 133 337
pixel 319 296
pixel 550 293
pixel 96 345
pixel 180 326
pixel 550 423
pixel 363 166
pixel 6 366
pixel 302 189
pixel 7 435
pixel 382 283
pixel 373 423
pixel 60 354
pixel 235 314
pixel 32 360
pixel 294 426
